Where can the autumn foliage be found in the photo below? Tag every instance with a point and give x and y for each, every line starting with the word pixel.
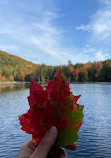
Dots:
pixel 53 106
pixel 13 68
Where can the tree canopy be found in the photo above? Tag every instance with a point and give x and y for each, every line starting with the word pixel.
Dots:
pixel 13 68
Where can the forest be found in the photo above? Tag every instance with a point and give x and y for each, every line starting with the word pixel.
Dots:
pixel 13 68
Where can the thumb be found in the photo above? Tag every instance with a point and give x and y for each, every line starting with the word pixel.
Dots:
pixel 45 144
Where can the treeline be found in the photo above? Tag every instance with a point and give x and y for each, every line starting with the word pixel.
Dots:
pixel 93 72
pixel 13 68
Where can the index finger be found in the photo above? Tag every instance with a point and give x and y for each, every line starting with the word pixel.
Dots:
pixel 30 144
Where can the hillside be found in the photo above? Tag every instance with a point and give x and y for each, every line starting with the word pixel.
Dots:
pixel 13 68
pixel 8 59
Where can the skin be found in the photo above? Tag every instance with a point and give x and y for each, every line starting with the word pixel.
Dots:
pixel 45 148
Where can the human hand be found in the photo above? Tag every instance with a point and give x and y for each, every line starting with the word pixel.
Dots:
pixel 45 148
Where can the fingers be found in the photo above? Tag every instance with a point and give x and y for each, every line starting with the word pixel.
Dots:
pixel 46 144
pixel 26 149
pixel 29 144
pixel 57 152
pixel 72 147
pixel 62 153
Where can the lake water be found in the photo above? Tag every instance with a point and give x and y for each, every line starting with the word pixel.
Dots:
pixel 94 135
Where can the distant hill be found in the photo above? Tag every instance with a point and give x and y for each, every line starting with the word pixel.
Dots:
pixel 13 68
pixel 7 59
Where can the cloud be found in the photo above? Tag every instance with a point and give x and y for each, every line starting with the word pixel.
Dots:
pixel 35 35
pixel 44 36
pixel 99 25
pixel 99 55
pixel 83 27
pixel 96 54
pixel 89 50
pixel 39 34
pixel 99 29
pixel 107 2
pixel 31 31
pixel 50 15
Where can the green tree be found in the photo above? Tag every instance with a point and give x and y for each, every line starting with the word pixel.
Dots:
pixel 66 73
pixel 92 73
pixel 78 65
pixel 69 63
pixel 83 76
pixel 49 72
pixel 18 75
pixel 105 72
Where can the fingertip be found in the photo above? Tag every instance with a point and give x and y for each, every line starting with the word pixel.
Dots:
pixel 30 144
pixel 46 143
pixel 52 131
pixel 50 135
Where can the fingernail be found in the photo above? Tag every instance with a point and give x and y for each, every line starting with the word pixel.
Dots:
pixel 52 131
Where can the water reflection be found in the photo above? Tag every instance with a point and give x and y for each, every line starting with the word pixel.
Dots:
pixel 7 87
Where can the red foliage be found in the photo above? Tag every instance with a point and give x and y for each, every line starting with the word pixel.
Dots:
pixel 77 72
pixel 46 108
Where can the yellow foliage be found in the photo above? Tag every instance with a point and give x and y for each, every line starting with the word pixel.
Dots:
pixel 3 79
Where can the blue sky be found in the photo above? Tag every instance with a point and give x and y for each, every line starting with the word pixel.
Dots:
pixel 55 31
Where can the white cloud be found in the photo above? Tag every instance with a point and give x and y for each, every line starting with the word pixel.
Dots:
pixel 96 53
pixel 46 44
pixel 50 15
pixel 83 27
pixel 36 36
pixel 40 35
pixel 107 2
pixel 100 23
pixel 99 55
pixel 89 50
pixel 46 37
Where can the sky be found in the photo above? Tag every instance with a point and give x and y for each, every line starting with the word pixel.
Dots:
pixel 52 32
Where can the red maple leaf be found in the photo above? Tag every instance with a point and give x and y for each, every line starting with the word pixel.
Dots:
pixel 53 106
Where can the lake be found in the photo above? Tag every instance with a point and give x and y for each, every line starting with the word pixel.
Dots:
pixel 94 135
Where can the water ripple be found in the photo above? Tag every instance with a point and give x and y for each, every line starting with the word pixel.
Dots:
pixel 94 135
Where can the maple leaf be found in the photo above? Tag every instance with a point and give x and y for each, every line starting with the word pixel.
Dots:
pixel 54 106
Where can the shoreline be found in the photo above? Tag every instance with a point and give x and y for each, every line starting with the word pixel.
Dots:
pixel 17 82
pixel 13 82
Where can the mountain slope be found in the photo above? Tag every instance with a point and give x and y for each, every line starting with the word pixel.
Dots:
pixel 8 59
pixel 14 68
